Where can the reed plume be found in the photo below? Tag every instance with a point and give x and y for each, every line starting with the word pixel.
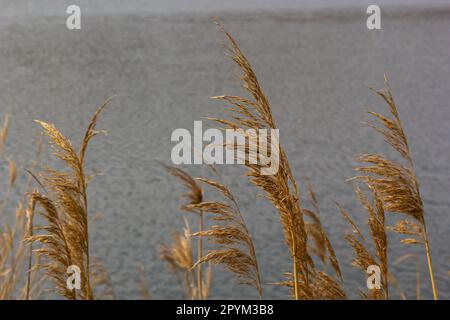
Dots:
pixel 64 240
pixel 363 256
pixel 321 247
pixel 281 188
pixel 179 257
pixel 321 285
pixel 249 115
pixel 234 245
pixel 12 244
pixel 395 183
pixel 12 254
pixel 194 196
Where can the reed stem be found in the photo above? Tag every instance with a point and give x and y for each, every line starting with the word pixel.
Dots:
pixel 430 265
pixel 294 259
pixel 200 255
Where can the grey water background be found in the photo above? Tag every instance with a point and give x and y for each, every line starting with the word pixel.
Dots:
pixel 163 61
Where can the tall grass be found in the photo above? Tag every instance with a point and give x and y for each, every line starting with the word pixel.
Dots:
pixel 64 240
pixel 194 196
pixel 396 183
pixel 281 189
pixel 13 253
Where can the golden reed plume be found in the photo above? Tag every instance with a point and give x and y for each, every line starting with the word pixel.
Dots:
pixel 64 240
pixel 363 257
pixel 234 245
pixel 395 183
pixel 180 259
pixel 194 195
pixel 281 188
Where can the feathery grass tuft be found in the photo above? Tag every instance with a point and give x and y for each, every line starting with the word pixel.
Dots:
pixel 179 257
pixel 363 257
pixel 395 183
pixel 235 249
pixel 64 240
pixel 281 189
pixel 194 196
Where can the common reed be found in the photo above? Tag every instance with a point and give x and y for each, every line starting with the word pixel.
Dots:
pixel 64 240
pixel 233 243
pixel 194 196
pixel 363 256
pixel 395 182
pixel 281 189
pixel 322 247
pixel 179 257
pixel 13 253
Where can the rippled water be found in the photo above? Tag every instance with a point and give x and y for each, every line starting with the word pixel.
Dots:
pixel 314 67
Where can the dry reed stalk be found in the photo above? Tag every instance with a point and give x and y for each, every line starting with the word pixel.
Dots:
pixel 4 133
pixel 179 257
pixel 194 196
pixel 363 257
pixel 322 248
pixel 396 183
pixel 12 246
pixel 64 240
pixel 12 255
pixel 281 189
pixel 30 218
pixel 321 285
pixel 32 286
pixel 377 226
pixel 234 245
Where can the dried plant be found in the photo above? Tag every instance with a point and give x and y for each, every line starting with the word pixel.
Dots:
pixel 322 247
pixel 234 245
pixel 396 183
pixel 321 285
pixel 363 257
pixel 64 240
pixel 194 196
pixel 12 254
pixel 281 189
pixel 4 133
pixel 179 257
pixel 12 245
